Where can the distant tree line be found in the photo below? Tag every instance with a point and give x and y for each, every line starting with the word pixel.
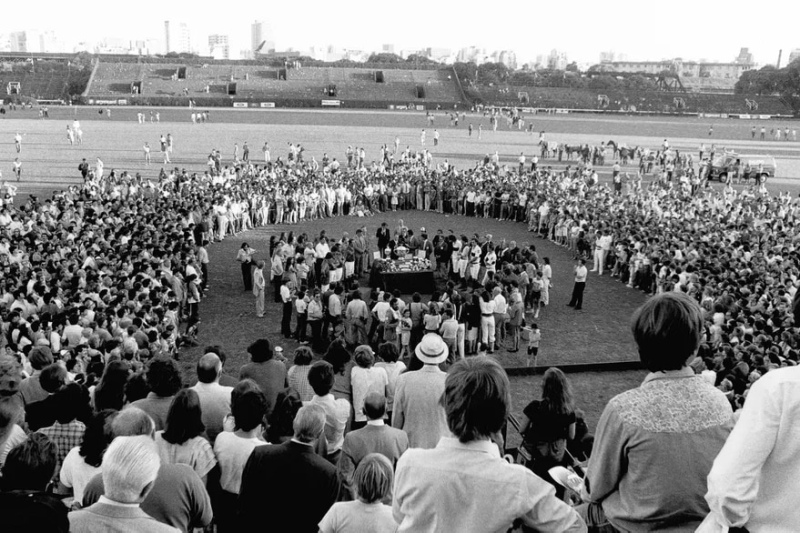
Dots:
pixel 769 80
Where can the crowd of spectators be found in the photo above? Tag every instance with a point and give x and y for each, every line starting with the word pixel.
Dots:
pixel 98 279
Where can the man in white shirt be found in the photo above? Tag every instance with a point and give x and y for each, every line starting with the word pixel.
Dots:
pixel 500 310
pixel 337 412
pixel 215 399
pixel 356 315
pixel 463 484
pixel 755 478
pixel 580 285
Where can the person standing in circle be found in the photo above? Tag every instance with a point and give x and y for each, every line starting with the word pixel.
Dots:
pixel 580 285
pixel 245 257
pixel 259 288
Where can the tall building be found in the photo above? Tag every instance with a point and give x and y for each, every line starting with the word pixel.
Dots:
pixel 262 40
pixel 745 57
pixel 607 57
pixel 219 46
pixel 472 54
pixel 794 54
pixel 177 37
pixel 557 60
pixel 387 49
pixel 508 58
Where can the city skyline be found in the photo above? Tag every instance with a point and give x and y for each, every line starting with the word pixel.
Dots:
pixel 618 29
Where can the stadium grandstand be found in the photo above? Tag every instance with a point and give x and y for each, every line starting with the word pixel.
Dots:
pixel 628 100
pixel 220 83
pixel 37 79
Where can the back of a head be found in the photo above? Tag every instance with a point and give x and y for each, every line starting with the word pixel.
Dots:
pixel 131 422
pixel 476 398
pixel 70 402
pixel 31 464
pixel 667 329
pixel 40 357
pixel 97 436
pixel 208 368
pixel 184 418
pixel 260 351
pixel 375 405
pixel 556 391
pixel 309 423
pixel 53 377
pixel 321 377
pixel 373 478
pixel 164 377
pixel 248 405
pixel 129 468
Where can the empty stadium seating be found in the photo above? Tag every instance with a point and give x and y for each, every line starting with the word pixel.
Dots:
pixel 42 84
pixel 643 101
pixel 260 82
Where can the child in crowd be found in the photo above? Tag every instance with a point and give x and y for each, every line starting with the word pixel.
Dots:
pixel 533 335
pixel 405 333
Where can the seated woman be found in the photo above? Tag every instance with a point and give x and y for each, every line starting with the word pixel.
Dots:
pixel 546 426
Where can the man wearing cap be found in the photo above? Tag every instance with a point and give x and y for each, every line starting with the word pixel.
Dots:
pixel 417 410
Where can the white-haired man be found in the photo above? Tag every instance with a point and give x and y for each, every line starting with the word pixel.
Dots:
pixel 130 466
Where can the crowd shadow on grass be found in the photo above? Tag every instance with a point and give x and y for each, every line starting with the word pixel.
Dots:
pixel 598 333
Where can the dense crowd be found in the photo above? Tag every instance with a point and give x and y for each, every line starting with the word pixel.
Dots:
pixel 99 280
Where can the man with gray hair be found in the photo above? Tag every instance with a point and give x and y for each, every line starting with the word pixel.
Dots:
pixel 288 487
pixel 130 467
pixel 178 497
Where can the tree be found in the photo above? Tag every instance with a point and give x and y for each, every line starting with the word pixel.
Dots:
pixel 493 73
pixel 466 72
pixel 603 82
pixel 384 58
pixel 419 59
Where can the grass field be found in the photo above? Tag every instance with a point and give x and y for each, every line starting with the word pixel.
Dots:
pixel 599 333
pixel 49 161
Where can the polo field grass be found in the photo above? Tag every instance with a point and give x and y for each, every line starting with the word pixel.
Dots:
pixel 49 161
pixel 599 333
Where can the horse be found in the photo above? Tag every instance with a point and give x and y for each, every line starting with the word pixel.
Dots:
pixel 573 149
pixel 615 146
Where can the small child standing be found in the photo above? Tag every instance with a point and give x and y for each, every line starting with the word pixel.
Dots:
pixel 405 333
pixel 533 335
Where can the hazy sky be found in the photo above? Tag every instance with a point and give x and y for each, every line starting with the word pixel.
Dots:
pixel 710 29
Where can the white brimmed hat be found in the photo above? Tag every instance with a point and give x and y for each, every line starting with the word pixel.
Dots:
pixel 431 350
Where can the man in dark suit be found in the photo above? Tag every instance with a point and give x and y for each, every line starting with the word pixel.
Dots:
pixel 375 437
pixel 288 487
pixel 426 245
pixel 360 249
pixel 383 237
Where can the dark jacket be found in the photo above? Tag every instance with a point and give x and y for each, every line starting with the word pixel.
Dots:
pixel 286 487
